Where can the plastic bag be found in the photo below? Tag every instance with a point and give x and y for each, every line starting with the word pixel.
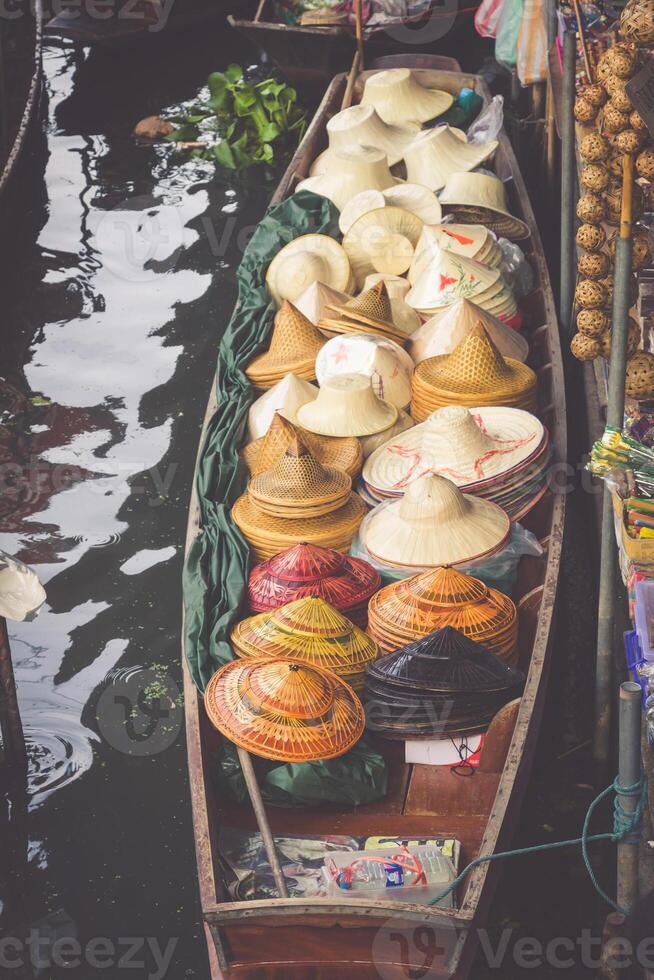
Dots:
pixel 515 268
pixel 532 43
pixel 508 28
pixel 489 124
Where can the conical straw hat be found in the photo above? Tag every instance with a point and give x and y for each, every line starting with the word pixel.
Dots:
pixel 383 361
pixel 284 710
pixel 370 443
pixel 382 241
pixel 448 278
pixel 437 153
pixel 398 96
pixel 317 299
pixel 435 524
pixel 481 199
pixel 471 241
pixel 285 398
pixel 262 454
pixel 369 312
pixel 307 259
pixel 294 344
pixel 467 447
pixel 403 317
pixel 347 406
pixel 361 126
pixel 415 198
pixel 299 486
pixel 442 333
pixel 351 171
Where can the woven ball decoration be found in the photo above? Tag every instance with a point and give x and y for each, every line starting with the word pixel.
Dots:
pixel 637 22
pixel 594 265
pixel 593 148
pixel 613 202
pixel 613 120
pixel 633 340
pixel 592 322
pixel 584 348
pixel 591 209
pixel 591 237
pixel 639 378
pixel 629 141
pixel 618 98
pixel 640 249
pixel 623 61
pixel 636 121
pixel 595 94
pixel 614 164
pixel 608 288
pixel 584 111
pixel 590 294
pixel 645 164
pixel 594 177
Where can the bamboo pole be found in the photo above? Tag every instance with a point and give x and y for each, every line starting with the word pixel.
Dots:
pixel 629 774
pixel 259 12
pixel 13 739
pixel 351 81
pixel 550 137
pixel 262 820
pixel 358 13
pixel 568 187
pixel 582 39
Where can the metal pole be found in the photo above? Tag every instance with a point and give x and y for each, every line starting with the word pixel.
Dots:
pixel 262 820
pixel 568 186
pixel 13 739
pixel 629 774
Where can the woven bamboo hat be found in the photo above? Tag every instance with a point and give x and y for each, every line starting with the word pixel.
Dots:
pixel 442 333
pixel 474 373
pixel 284 710
pixel 386 363
pixel 317 300
pixel 434 523
pixel 323 17
pixel 448 277
pixel 398 96
pixel 267 535
pixel 471 241
pixel 481 199
pixel 307 259
pixel 403 317
pixel 311 630
pixel 349 172
pixel 435 154
pixel 361 126
pixel 344 582
pixel 414 607
pixel 294 344
pixel 382 241
pixel 415 198
pixel 262 454
pixel 347 406
pixel 369 312
pixel 284 398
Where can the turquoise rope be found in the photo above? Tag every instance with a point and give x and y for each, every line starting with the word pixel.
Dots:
pixel 625 827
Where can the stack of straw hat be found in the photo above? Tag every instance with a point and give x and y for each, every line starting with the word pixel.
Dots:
pixel 432 524
pixel 475 373
pixel 348 171
pixel 294 345
pixel 317 300
pixel 475 198
pixel 499 454
pixel 309 630
pixel 297 500
pixel 382 240
pixel 347 406
pixel 308 259
pixel 399 97
pixel 340 454
pixel 370 312
pixel 449 277
pixel 284 399
pixel 415 198
pixel 404 318
pixel 388 365
pixel 412 608
pixel 284 710
pixel 434 155
pixel 359 125
pixel 344 582
pixel 471 241
pixel 442 333
pixel 443 684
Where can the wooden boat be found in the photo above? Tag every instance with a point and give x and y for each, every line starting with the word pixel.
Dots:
pixel 21 70
pixel 295 939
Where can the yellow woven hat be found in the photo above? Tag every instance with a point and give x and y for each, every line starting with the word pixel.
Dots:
pixel 347 406
pixel 481 199
pixel 361 126
pixel 285 398
pixel 382 241
pixel 442 333
pixel 294 344
pixel 307 259
pixel 349 172
pixel 317 300
pixel 415 198
pixel 370 312
pixel 437 153
pixel 434 523
pixel 471 241
pixel 398 96
pixel 341 454
pixel 449 277
pixel 386 363
pixel 404 318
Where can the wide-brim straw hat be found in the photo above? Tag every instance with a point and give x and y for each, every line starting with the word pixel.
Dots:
pixel 435 524
pixel 442 333
pixel 386 363
pixel 398 96
pixel 294 345
pixel 415 198
pixel 471 241
pixel 359 125
pixel 341 454
pixel 307 259
pixel 347 406
pixel 481 199
pixel 268 535
pixel 449 277
pixel 403 316
pixel 467 446
pixel 317 300
pixel 284 710
pixel 284 398
pixel 369 312
pixel 382 241
pixel 349 172
pixel 370 443
pixel 435 154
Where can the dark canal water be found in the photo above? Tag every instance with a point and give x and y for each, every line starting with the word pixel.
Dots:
pixel 124 282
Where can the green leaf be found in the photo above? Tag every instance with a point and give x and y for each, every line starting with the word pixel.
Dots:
pixel 184 134
pixel 234 73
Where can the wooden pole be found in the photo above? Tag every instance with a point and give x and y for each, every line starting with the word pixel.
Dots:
pixel 614 929
pixel 629 774
pixel 358 13
pixel 582 39
pixel 259 11
pixel 351 81
pixel 568 187
pixel 262 820
pixel 550 137
pixel 13 739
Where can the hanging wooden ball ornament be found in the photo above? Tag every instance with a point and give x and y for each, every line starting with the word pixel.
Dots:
pixel 637 22
pixel 623 61
pixel 618 98
pixel 595 94
pixel 608 289
pixel 614 164
pixel 584 348
pixel 613 202
pixel 594 177
pixel 645 164
pixel 639 378
pixel 633 340
pixel 593 148
pixel 591 237
pixel 590 294
pixel 584 111
pixel 594 265
pixel 591 209
pixel 613 120
pixel 629 141
pixel 640 248
pixel 592 322
pixel 603 70
pixel 636 121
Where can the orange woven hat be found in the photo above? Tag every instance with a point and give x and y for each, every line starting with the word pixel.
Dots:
pixel 284 710
pixel 299 486
pixel 294 345
pixel 343 453
pixel 370 312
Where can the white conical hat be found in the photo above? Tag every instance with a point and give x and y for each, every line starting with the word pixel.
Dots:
pixel 307 259
pixel 437 153
pixel 377 439
pixel 397 287
pixel 471 241
pixel 317 299
pixel 443 332
pixel 411 197
pixel 399 97
pixel 435 524
pixel 360 168
pixel 467 446
pixel 481 198
pixel 386 363
pixel 361 126
pixel 450 277
pixel 285 398
pixel 347 406
pixel 382 241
